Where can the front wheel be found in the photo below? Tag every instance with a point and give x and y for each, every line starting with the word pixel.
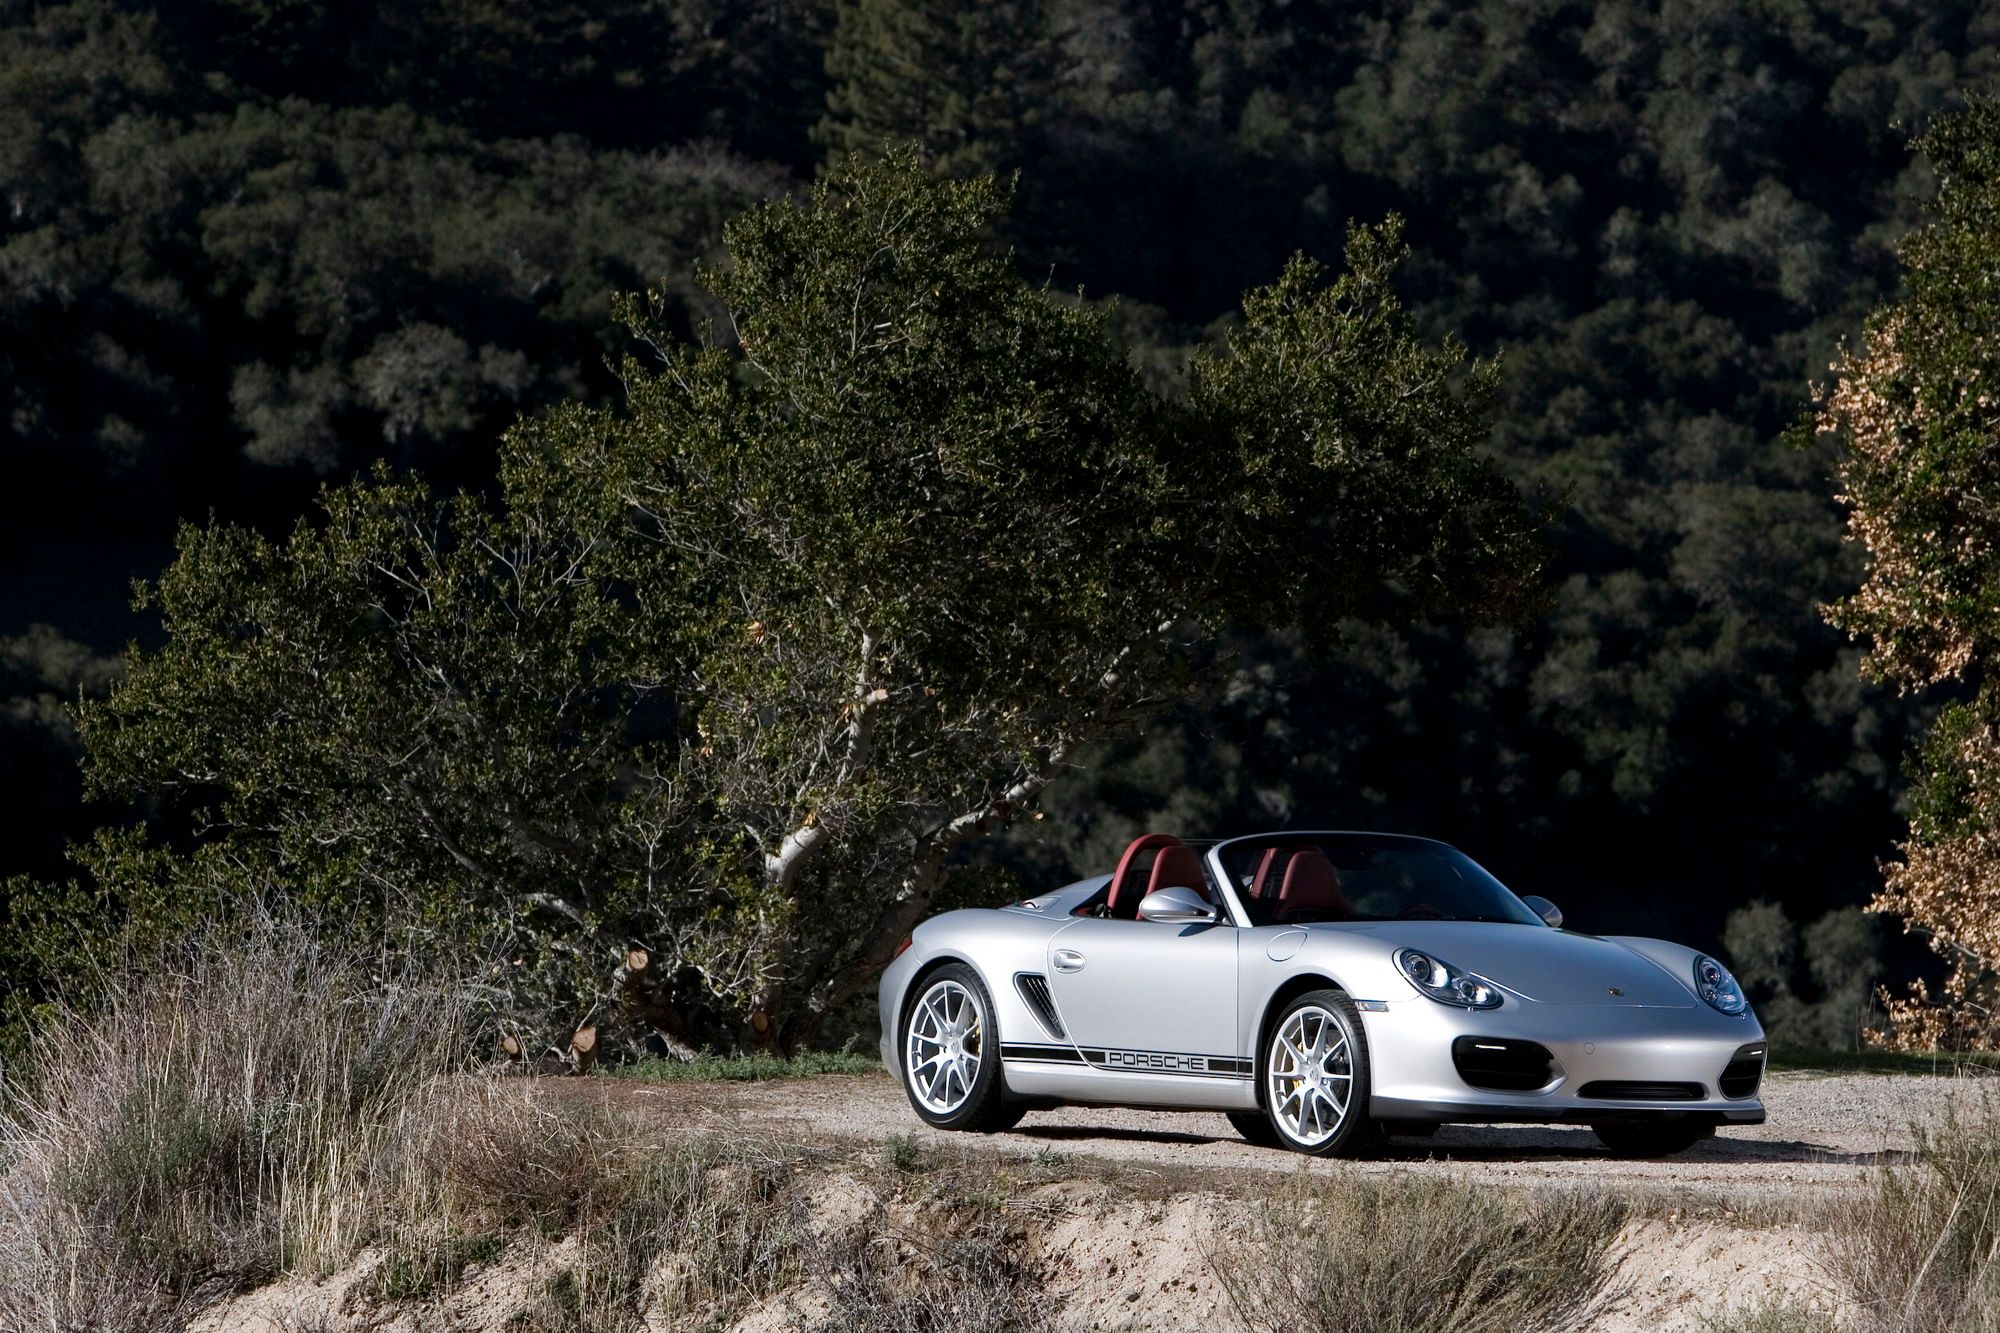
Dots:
pixel 1650 1138
pixel 951 1054
pixel 1315 1073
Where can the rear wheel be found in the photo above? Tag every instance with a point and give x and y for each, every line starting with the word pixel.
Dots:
pixel 951 1054
pixel 1315 1076
pixel 1650 1138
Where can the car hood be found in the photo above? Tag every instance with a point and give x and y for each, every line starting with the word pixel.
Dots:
pixel 1536 963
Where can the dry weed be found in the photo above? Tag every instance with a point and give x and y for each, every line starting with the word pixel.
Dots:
pixel 1347 1253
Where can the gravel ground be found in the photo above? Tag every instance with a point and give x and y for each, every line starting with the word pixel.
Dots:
pixel 1823 1133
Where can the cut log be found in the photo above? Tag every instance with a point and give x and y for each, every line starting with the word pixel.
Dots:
pixel 637 960
pixel 583 1048
pixel 510 1046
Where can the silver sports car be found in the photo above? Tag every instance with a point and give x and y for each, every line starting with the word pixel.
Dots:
pixel 1322 989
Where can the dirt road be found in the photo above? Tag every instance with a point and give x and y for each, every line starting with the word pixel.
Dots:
pixel 1824 1131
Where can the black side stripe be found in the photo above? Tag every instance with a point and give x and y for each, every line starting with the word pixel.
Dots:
pixel 1181 1063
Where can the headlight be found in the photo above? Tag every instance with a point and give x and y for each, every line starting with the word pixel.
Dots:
pixel 1713 983
pixel 1445 983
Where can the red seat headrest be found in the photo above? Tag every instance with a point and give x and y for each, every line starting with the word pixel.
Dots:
pixel 1180 868
pixel 1122 901
pixel 1311 884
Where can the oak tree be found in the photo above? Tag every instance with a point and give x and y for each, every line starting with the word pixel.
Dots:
pixel 730 673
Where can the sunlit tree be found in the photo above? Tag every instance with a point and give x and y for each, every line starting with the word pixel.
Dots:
pixel 1917 406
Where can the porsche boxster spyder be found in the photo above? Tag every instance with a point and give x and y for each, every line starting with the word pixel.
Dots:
pixel 1321 989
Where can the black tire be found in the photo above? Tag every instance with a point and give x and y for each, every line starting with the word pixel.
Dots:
pixel 1650 1138
pixel 1353 1133
pixel 1254 1126
pixel 981 1106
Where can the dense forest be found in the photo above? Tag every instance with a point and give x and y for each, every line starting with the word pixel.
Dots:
pixel 253 246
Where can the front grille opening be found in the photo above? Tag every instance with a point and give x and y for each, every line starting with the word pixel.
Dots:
pixel 1034 988
pixel 1503 1064
pixel 1744 1071
pixel 1612 1090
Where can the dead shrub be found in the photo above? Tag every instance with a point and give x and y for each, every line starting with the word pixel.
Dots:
pixel 692 1228
pixel 963 1269
pixel 500 1151
pixel 1347 1253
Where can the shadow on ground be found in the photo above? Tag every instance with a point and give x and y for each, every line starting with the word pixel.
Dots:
pixel 1527 1143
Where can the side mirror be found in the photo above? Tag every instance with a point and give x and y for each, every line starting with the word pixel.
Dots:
pixel 1175 906
pixel 1546 910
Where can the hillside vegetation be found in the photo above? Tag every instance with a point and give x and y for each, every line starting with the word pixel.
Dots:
pixel 256 244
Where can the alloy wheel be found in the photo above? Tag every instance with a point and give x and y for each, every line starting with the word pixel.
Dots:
pixel 942 1053
pixel 1311 1075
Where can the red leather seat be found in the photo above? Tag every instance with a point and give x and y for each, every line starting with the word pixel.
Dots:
pixel 1311 884
pixel 1264 884
pixel 1178 868
pixel 1175 864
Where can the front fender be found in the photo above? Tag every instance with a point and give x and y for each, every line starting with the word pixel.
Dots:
pixel 1274 960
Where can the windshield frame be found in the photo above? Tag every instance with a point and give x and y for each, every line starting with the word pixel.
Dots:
pixel 1221 853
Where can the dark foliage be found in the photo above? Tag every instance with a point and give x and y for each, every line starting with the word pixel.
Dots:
pixel 250 244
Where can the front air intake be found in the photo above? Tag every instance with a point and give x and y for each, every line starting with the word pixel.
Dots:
pixel 1611 1090
pixel 1034 988
pixel 1503 1064
pixel 1744 1071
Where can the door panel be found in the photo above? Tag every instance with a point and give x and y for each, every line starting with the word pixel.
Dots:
pixel 1143 992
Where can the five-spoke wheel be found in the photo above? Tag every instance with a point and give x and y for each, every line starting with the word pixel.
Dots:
pixel 951 1054
pixel 1315 1072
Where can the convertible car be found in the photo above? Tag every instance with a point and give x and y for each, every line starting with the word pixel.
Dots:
pixel 1322 989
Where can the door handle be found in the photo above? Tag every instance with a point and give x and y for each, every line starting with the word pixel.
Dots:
pixel 1068 960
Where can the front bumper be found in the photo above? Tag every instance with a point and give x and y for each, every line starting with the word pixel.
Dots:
pixel 1414 1075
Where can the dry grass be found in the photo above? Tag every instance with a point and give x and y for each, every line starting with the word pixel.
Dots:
pixel 264 1108
pixel 1773 1314
pixel 1923 1253
pixel 947 1243
pixel 260 1106
pixel 1352 1254
pixel 516 1159
pixel 693 1226
pixel 963 1266
pixel 698 1234
pixel 244 1111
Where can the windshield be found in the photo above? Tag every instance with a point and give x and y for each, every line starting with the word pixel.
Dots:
pixel 1306 877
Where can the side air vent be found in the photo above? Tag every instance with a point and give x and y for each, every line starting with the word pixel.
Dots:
pixel 1502 1063
pixel 1034 988
pixel 1611 1090
pixel 1744 1071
